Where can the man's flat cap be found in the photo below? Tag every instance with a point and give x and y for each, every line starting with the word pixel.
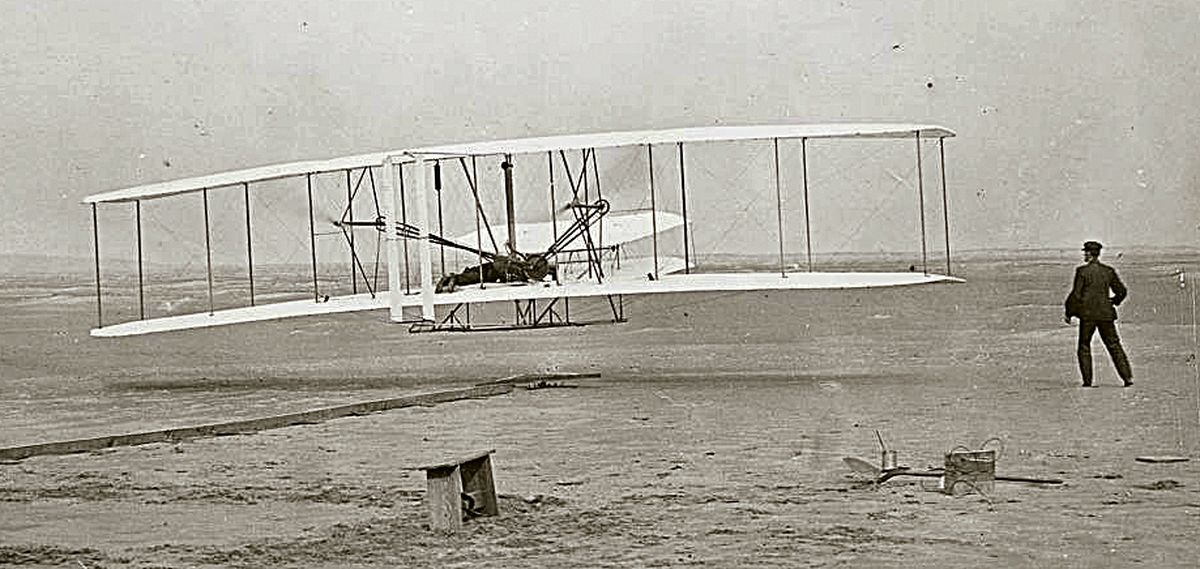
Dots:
pixel 1092 246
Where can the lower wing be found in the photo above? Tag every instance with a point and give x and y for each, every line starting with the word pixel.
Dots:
pixel 627 284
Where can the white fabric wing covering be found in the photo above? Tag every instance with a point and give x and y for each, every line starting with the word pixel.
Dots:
pixel 525 146
pixel 675 283
pixel 683 135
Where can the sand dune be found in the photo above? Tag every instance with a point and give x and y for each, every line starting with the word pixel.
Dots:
pixel 713 437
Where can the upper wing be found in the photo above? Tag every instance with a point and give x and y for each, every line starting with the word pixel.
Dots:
pixel 525 146
pixel 682 135
pixel 234 177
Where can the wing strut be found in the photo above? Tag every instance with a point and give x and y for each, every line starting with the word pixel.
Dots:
pixel 807 224
pixel 312 238
pixel 404 219
pixel 683 200
pixel 208 250
pixel 945 207
pixel 480 217
pixel 921 204
pixel 249 245
pixel 507 166
pixel 779 208
pixel 96 247
pixel 437 189
pixel 653 207
pixel 141 282
pixel 553 204
pixel 393 188
pixel 424 173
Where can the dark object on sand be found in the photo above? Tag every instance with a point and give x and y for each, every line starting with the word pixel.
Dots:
pixel 529 378
pixel 543 384
pixel 965 468
pixel 1161 459
pixel 1161 485
pixel 881 476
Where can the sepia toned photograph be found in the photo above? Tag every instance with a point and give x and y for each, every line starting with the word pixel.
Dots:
pixel 526 284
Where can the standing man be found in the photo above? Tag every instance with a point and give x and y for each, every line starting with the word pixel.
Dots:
pixel 1089 301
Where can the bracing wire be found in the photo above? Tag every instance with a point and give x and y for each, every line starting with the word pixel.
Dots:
pixel 298 239
pixel 738 218
pixel 882 203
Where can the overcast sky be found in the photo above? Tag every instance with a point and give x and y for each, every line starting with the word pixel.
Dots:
pixel 1076 118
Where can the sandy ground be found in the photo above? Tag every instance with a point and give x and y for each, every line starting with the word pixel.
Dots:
pixel 714 436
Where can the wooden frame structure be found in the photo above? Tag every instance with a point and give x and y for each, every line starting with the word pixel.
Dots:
pixel 460 487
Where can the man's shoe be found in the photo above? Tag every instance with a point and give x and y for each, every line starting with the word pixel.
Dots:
pixel 1129 382
pixel 1088 384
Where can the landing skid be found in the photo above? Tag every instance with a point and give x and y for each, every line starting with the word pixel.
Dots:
pixel 527 316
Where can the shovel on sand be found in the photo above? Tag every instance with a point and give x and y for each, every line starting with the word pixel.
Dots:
pixel 880 476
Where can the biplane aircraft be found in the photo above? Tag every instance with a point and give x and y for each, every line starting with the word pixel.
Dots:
pixel 580 247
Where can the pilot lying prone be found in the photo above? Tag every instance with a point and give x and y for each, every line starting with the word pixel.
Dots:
pixel 513 267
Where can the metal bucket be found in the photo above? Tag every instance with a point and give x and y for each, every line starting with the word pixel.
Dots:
pixel 889 460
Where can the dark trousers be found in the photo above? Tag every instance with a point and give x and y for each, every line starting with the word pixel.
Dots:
pixel 1108 334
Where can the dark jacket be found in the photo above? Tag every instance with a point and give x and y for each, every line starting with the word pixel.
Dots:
pixel 1089 298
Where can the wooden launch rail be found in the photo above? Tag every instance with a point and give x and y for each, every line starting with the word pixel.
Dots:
pixel 249 426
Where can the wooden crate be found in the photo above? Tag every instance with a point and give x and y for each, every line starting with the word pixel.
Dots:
pixel 460 487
